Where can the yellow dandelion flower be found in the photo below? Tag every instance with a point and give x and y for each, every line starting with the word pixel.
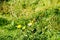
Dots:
pixel 19 26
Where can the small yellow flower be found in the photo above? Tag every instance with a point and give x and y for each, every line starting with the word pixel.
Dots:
pixel 19 26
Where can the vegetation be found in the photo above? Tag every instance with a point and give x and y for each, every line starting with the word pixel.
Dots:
pixel 29 19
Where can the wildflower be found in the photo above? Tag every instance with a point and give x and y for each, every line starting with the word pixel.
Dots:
pixel 29 24
pixel 19 26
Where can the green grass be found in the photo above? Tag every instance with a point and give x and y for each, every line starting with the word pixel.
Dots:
pixel 29 20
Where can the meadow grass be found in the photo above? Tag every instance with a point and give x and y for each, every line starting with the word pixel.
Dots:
pixel 29 19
